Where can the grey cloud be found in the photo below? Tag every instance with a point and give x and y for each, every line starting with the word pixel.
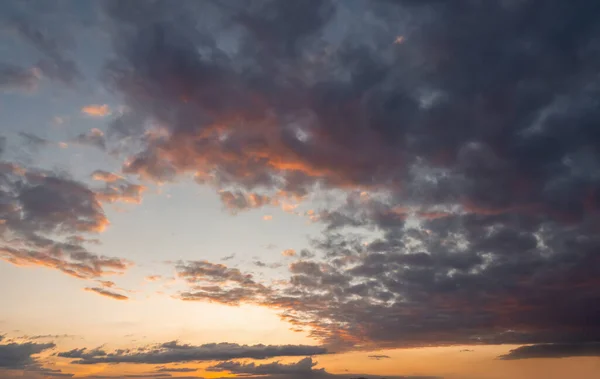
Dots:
pixel 558 350
pixel 38 26
pixel 33 141
pixel 171 352
pixel 36 206
pixel 21 355
pixel 304 366
pixel 476 137
pixel 378 357
pixel 175 369
pixel 94 137
pixel 17 78
pixel 82 353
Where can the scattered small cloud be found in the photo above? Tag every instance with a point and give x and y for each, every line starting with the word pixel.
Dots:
pixel 267 217
pixel 289 253
pixel 379 357
pixel 106 293
pixel 96 110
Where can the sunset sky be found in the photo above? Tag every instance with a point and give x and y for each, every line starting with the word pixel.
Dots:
pixel 286 189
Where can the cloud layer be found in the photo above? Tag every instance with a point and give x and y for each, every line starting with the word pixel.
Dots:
pixel 172 352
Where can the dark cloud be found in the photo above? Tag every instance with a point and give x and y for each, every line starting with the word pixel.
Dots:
pixel 238 201
pixel 42 27
pixel 21 355
pixel 218 283
pixel 175 369
pixel 107 293
pixel 38 209
pixel 379 357
pixel 469 149
pixel 172 352
pixel 473 138
pixel 82 353
pixel 15 78
pixel 302 367
pixel 564 350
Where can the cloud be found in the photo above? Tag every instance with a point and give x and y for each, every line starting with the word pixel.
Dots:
pixel 15 78
pixel 153 278
pixel 558 350
pixel 96 110
pixel 43 216
pixel 95 137
pixel 304 366
pixel 33 141
pixel 474 142
pixel 107 293
pixel 105 176
pixel 218 283
pixel 21 355
pixel 379 357
pixel 238 201
pixel 175 369
pixel 228 257
pixel 49 36
pixel 172 352
pixel 289 253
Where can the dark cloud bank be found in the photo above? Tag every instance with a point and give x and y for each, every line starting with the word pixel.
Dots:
pixel 474 138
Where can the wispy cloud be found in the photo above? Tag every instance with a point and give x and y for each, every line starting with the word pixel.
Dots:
pixel 107 293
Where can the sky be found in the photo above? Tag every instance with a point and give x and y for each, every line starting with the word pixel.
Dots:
pixel 282 189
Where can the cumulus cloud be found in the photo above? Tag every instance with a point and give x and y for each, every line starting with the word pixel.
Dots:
pixel 469 150
pixel 43 217
pixel 304 366
pixel 172 352
pixel 218 283
pixel 21 355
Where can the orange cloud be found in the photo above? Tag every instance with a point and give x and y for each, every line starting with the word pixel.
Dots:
pixel 267 217
pixel 96 110
pixel 288 253
pixel 106 293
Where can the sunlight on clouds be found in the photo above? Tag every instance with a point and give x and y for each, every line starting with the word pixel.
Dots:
pixel 96 110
